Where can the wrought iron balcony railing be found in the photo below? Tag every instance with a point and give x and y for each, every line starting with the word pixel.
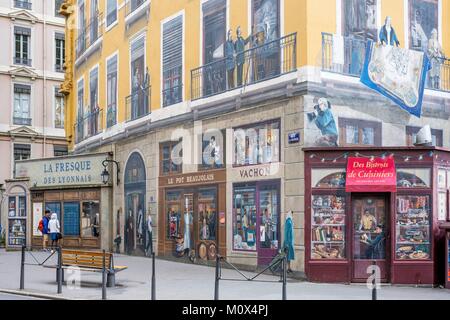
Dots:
pixel 259 63
pixel 133 5
pixel 89 125
pixel 89 35
pixel 22 61
pixel 22 4
pixel 20 121
pixel 138 104
pixel 346 55
pixel 172 95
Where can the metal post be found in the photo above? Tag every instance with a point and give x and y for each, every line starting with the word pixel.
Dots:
pixel 284 275
pixel 374 283
pixel 104 277
pixel 59 270
pixel 153 277
pixel 216 284
pixel 22 269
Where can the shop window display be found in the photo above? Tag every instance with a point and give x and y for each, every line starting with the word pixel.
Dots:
pixel 244 226
pixel 259 144
pixel 413 228
pixel 334 180
pixel 17 232
pixel 328 227
pixel 71 219
pixel 90 219
pixel 413 178
pixel 269 216
pixel 173 214
pixel 207 214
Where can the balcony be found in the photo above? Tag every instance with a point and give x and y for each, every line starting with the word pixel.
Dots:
pixel 22 61
pixel 254 65
pixel 89 39
pixel 135 9
pixel 345 55
pixel 20 121
pixel 172 95
pixel 138 104
pixel 89 125
pixel 22 4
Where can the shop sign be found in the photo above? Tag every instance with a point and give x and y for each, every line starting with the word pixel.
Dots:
pixel 254 172
pixel 191 179
pixel 371 175
pixel 65 171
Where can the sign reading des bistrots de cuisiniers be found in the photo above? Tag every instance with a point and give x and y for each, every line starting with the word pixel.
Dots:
pixel 80 170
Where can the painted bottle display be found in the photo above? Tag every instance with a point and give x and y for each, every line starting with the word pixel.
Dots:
pixel 328 227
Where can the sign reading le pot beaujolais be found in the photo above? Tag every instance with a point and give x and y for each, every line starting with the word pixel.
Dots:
pixel 371 175
pixel 64 171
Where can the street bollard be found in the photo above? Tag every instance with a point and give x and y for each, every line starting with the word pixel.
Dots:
pixel 153 277
pixel 284 276
pixel 59 271
pixel 22 269
pixel 104 276
pixel 216 284
pixel 374 283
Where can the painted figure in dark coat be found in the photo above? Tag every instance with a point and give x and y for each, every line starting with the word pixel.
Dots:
pixel 229 55
pixel 376 246
pixel 239 46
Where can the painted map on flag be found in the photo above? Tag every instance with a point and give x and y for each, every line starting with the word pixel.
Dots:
pixel 396 73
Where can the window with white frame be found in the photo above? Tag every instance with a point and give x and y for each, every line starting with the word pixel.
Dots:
pixel 111 95
pixel 23 4
pixel 22 99
pixel 59 109
pixel 58 4
pixel 111 12
pixel 22 152
pixel 60 52
pixel 80 112
pixel 172 61
pixel 22 38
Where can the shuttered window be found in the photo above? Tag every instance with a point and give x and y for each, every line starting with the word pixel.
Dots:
pixel 111 91
pixel 172 61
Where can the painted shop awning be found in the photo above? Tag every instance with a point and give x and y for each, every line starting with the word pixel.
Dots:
pixel 371 175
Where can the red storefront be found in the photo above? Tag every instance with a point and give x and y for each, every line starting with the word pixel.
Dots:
pixel 382 205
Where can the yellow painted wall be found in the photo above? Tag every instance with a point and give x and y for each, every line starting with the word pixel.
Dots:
pixel 308 18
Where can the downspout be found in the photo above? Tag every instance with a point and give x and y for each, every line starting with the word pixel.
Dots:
pixel 44 92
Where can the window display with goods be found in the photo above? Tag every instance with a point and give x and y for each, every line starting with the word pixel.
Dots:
pixel 413 223
pixel 244 225
pixel 328 227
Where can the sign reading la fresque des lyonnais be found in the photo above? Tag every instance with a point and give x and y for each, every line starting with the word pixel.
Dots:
pixel 371 175
pixel 66 171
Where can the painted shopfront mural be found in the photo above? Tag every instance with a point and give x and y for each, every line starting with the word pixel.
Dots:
pixel 135 188
pixel 322 125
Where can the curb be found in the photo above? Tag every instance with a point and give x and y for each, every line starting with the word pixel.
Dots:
pixel 33 294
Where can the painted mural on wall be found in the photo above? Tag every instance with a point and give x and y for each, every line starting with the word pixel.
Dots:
pixel 423 18
pixel 321 125
pixel 135 217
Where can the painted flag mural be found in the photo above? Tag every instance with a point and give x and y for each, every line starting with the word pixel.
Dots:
pixel 396 73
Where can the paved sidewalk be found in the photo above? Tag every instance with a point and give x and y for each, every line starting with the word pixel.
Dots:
pixel 181 281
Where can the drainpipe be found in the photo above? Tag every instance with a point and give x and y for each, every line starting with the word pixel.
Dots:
pixel 44 91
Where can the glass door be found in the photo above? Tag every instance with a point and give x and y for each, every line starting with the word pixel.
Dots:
pixel 268 221
pixel 370 231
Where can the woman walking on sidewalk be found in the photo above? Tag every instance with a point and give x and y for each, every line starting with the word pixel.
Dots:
pixel 54 227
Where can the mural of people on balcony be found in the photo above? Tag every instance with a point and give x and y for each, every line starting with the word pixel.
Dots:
pixel 423 18
pixel 436 55
pixel 387 33
pixel 323 118
pixel 146 92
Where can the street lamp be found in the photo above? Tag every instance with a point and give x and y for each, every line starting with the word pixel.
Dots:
pixel 105 174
